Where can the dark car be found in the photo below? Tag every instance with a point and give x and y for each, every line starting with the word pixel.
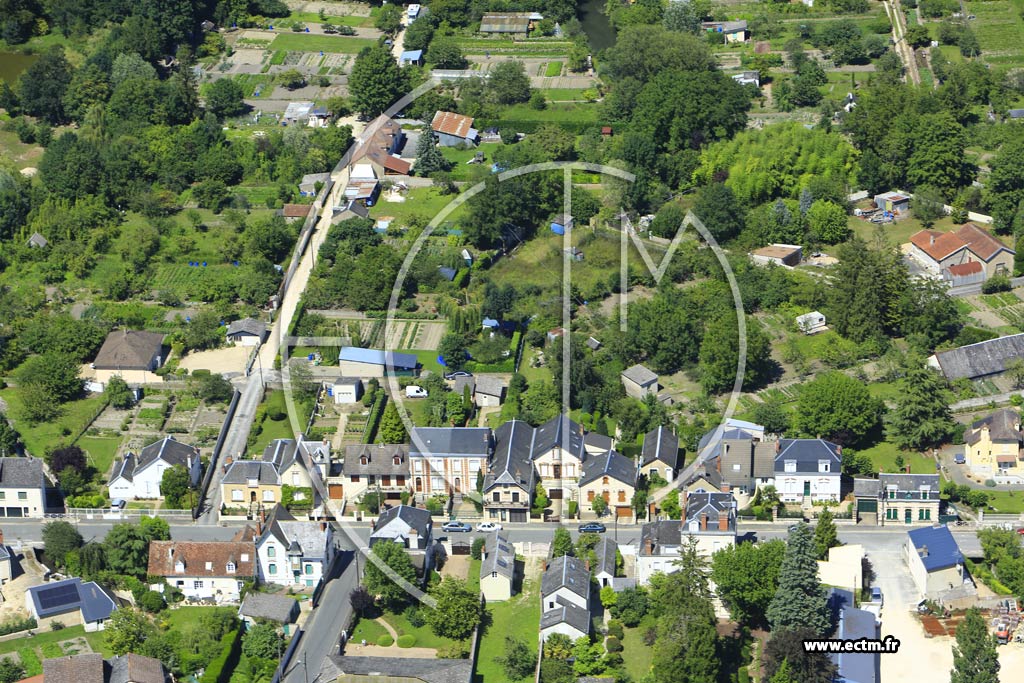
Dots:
pixel 458 373
pixel 591 528
pixel 456 527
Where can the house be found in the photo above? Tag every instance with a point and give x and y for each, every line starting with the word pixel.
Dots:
pixel 453 129
pixel 37 241
pixel 660 454
pixel 252 485
pixel 811 323
pixel 71 602
pixel 898 498
pixel 555 333
pixel 447 460
pixel 131 355
pixel 558 456
pixel 414 57
pixel 293 552
pixel 318 117
pixel 639 381
pixel 347 210
pixel 595 443
pixel 565 598
pixel 743 461
pixel 788 255
pixel 711 519
pixel 460 384
pixel 1016 113
pixel 22 487
pixel 497 569
pixel 733 31
pixel 935 561
pixel 280 609
pixel 247 332
pixel 994 446
pixel 381 148
pixel 593 344
pixel 938 251
pixel 854 625
pixel 358 362
pixel 91 668
pixel 379 467
pixel 748 78
pixel 964 274
pixel 286 455
pixel 205 570
pixel 610 476
pixel 660 544
pixel 309 182
pixel 561 223
pixel 982 359
pixel 807 470
pixel 510 481
pixel 410 527
pixel 362 191
pixel 516 24
pixel 489 392
pixel 346 390
pixel 140 476
pixel 606 558
pixel 412 12
pixel 896 203
pixel 705 479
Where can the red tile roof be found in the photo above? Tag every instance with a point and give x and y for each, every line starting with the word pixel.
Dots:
pixel 980 241
pixel 969 268
pixel 375 148
pixel 937 245
pixel 202 558
pixel 451 123
pixel 295 210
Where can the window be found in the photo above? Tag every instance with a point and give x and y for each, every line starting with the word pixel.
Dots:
pixel 496 496
pixel 622 496
pixel 268 496
pixel 354 478
pixel 474 465
pixel 823 466
pixel 272 568
pixel 437 483
pixel 604 481
pixel 590 495
pixel 437 465
pixel 271 551
pixel 309 568
pixel 892 492
pixel 22 495
pixel 209 566
pixel 3 495
pixel 236 495
pixel 399 480
pixel 197 585
pixel 791 466
pixel 417 465
pixel 494 575
pixel 231 567
pixel 515 496
pixel 245 557
pixel 295 478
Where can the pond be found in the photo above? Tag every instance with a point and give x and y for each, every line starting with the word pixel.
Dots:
pixel 13 63
pixel 600 34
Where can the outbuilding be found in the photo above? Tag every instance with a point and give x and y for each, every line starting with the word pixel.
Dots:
pixel 346 390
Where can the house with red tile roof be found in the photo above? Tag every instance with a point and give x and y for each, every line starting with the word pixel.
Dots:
pixel 206 570
pixel 949 254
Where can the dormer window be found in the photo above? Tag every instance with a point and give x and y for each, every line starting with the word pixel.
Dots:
pixel 231 567
pixel 253 482
pixel 790 466
pixel 363 459
pixel 397 460
pixel 209 566
pixel 179 567
pixel 824 466
pixel 271 551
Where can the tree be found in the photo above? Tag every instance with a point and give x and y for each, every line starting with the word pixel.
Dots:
pixel 557 646
pixel 418 34
pixel 719 353
pixel 54 373
pixel 292 79
pixel 827 222
pixel 67 458
pixel 11 671
pixel 213 388
pixel 562 543
pixel 921 418
pixel 152 601
pixel 41 88
pixel 127 549
pixel 376 80
pixel 787 645
pixel 746 577
pixel 670 505
pixel 974 656
pixel 540 500
pixel 800 601
pixel 938 154
pixel 825 535
pixel 174 486
pixel 783 674
pixel 719 211
pixel 60 538
pixel 9 438
pixel 685 16
pixel 428 157
pixel 379 583
pixel 772 416
pixel 118 393
pixel 225 98
pixel 838 407
pixel 452 348
pixel 631 606
pixel 457 612
pixel 686 647
pixel 690 579
pixel 508 83
pixel 587 657
pixel 518 661
pixel 599 505
pixel 361 600
pixel 668 220
pixel 392 429
pixel 1006 183
pixel 445 53
pixel 927 205
pixel 262 641
pixel 126 631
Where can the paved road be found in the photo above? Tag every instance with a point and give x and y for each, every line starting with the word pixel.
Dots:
pixel 31 531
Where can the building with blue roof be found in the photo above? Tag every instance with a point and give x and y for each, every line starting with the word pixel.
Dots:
pixel 854 624
pixel 71 599
pixel 414 57
pixel 935 561
pixel 358 362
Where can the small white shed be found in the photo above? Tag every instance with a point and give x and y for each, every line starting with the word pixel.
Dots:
pixel 811 323
pixel 346 389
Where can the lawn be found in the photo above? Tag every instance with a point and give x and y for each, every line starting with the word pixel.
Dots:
pixel 883 457
pixel 49 639
pixel 473 579
pixel 421 202
pixel 898 232
pixel 22 155
pixel 635 655
pixel 307 42
pixel 100 450
pixel 428 359
pixel 555 113
pixel 368 630
pixel 180 617
pixel 563 94
pixel 516 618
pixel 1007 502
pixel 314 18
pixel 424 636
pixel 72 419
pixel 553 69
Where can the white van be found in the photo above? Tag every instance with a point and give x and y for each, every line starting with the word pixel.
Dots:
pixel 413 391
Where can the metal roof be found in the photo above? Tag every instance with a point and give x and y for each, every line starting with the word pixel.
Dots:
pixel 500 558
pixel 942 550
pixel 64 596
pixel 355 354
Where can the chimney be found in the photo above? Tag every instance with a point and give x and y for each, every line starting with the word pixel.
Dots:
pixel 718 465
pixel 648 547
pixel 704 522
pixel 263 515
pixel 931 239
pixel 723 521
pixel 924 551
pixel 839 450
pixel 778 446
pixel 413 532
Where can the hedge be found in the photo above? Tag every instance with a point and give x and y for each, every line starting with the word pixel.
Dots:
pixel 373 421
pixel 531 126
pixel 223 665
pixel 16 625
pixel 407 640
pixel 385 640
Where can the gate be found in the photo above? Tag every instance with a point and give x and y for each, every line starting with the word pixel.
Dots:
pixel 460 548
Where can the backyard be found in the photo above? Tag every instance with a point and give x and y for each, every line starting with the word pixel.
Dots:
pixel 516 618
pixel 31 651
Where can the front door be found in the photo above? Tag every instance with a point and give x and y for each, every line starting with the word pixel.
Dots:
pixel 458 485
pixel 807 488
pixel 557 470
pixel 419 485
pixel 907 516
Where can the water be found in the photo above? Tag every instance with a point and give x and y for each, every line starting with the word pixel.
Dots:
pixel 600 34
pixel 13 63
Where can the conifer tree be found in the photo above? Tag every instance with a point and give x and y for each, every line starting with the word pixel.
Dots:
pixel 800 600
pixel 921 418
pixel 974 655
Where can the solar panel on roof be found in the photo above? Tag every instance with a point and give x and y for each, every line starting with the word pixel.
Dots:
pixel 58 596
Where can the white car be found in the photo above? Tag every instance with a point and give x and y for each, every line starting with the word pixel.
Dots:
pixel 487 527
pixel 413 391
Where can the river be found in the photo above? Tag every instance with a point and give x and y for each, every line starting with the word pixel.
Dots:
pixel 13 63
pixel 600 34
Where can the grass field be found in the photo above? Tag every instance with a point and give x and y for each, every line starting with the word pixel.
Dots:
pixel 635 655
pixel 49 639
pixel 368 630
pixel 517 618
pixel 313 18
pixel 555 113
pixel 306 42
pixel 999 28
pixel 553 69
pixel 420 202
pixel 1008 502
pixel 899 232
pixel 22 155
pixel 38 438
pixel 100 450
pixel 563 94
pixel 883 456
pixel 424 635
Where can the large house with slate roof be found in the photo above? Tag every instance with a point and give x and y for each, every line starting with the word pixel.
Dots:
pixel 610 476
pixel 660 454
pixel 509 484
pixel 447 460
pixel 293 552
pixel 898 499
pixel 994 446
pixel 807 470
pixel 410 527
pixel 139 476
pixel 565 598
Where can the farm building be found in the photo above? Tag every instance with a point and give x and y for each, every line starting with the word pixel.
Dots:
pixel 894 202
pixel 517 24
pixel 414 57
pixel 639 381
pixel 357 362
pixel 453 129
pixel 382 148
pixel 788 255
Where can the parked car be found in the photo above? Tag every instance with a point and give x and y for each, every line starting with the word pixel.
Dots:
pixel 457 373
pixel 117 504
pixel 487 527
pixel 413 391
pixel 959 458
pixel 1021 531
pixel 455 526
pixel 876 595
pixel 591 528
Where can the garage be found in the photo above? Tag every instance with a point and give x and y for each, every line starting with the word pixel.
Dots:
pixel 517 516
pixel 555 494
pixel 867 510
pixel 12 512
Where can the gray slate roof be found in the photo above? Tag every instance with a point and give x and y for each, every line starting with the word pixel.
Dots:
pixel 598 441
pixel 501 558
pixel 380 459
pixel 21 473
pixel 128 350
pixel 133 668
pixel 662 445
pixel 709 473
pixel 664 532
pixel 247 326
pixel 1003 427
pixel 444 441
pixel 303 538
pixel 376 668
pixel 416 518
pixel 168 449
pixel 981 359
pixel 565 572
pixel 605 551
pixel 640 375
pixel 461 383
pixel 241 471
pixel 37 240
pixel 611 464
pixel 911 482
pixel 513 444
pixel 867 488
pixel 490 385
pixel 279 608
pixel 566 613
pixel 714 505
pixel 807 453
pixel 559 431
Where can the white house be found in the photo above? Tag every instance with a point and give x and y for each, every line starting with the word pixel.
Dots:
pixel 935 561
pixel 139 476
pixel 207 570
pixel 410 527
pixel 247 331
pixel 660 544
pixel 807 470
pixel 292 552
pixel 22 487
pixel 346 389
pixel 565 598
pixel 497 569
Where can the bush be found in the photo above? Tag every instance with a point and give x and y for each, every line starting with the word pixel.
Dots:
pixel 997 283
pixel 17 625
pixel 385 640
pixel 152 602
pixel 408 640
pixel 612 644
pixel 457 650
pixel 572 508
pixel 416 618
pixel 219 670
pixel 477 549
pixel 615 629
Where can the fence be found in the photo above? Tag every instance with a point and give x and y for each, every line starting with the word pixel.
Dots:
pixel 288 654
pixel 304 238
pixel 204 488
pixel 125 514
